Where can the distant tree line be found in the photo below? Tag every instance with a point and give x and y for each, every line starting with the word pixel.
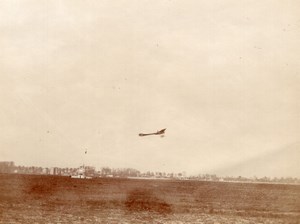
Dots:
pixel 119 172
pixel 209 177
pixel 9 167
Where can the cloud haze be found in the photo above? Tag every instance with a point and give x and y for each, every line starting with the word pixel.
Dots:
pixel 222 77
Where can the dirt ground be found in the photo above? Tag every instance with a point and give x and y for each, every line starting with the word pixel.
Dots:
pixel 56 199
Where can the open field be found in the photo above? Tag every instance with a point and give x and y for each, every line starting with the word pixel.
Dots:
pixel 56 199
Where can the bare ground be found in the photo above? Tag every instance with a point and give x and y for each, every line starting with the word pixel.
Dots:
pixel 55 199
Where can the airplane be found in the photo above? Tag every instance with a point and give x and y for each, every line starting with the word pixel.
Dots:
pixel 161 132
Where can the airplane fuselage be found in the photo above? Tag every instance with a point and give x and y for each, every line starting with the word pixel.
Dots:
pixel 161 132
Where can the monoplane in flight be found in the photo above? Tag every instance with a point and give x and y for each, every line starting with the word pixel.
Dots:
pixel 161 132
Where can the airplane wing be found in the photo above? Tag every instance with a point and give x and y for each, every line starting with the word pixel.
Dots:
pixel 161 132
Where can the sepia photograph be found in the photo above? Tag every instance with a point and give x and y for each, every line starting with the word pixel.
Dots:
pixel 149 111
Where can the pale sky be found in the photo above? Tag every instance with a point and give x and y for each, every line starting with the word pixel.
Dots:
pixel 221 76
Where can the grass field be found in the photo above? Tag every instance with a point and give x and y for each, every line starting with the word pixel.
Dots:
pixel 56 199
